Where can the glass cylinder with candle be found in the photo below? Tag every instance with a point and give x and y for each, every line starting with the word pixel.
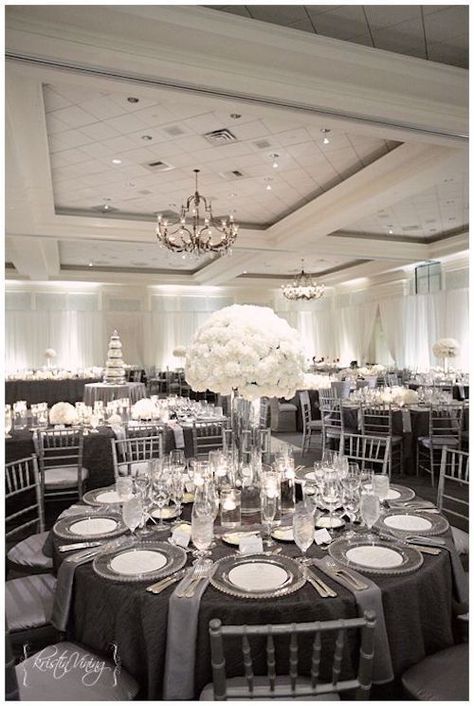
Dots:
pixel 286 468
pixel 230 507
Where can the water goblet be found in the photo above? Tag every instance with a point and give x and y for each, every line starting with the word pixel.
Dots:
pixel 381 483
pixel 161 494
pixel 331 497
pixel 202 533
pixel 369 509
pixel 132 513
pixel 303 530
pixel 311 496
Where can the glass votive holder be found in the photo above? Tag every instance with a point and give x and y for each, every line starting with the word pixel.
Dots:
pixel 124 487
pixel 230 507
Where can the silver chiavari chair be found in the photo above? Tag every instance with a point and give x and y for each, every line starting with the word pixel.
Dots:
pixel 132 454
pixel 60 454
pixel 332 420
pixel 207 436
pixel 445 427
pixel 310 425
pixel 370 452
pixel 342 388
pixel 377 420
pixel 326 398
pixel 391 379
pixel 453 493
pixel 328 638
pixel 24 516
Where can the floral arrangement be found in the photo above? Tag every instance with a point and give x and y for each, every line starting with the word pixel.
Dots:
pixel 317 382
pixel 50 353
pixel 63 413
pixel 179 352
pixel 372 370
pixel 145 409
pixel 55 374
pixel 248 348
pixel 399 395
pixel 446 348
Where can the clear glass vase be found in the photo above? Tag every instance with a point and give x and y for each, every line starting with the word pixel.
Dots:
pixel 245 421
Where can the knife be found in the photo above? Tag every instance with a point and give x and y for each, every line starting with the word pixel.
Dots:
pixel 77 546
pixel 160 586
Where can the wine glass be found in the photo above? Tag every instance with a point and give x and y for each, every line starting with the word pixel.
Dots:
pixel 311 496
pixel 381 483
pixel 161 495
pixel 132 513
pixel 303 529
pixel 143 488
pixel 177 458
pixel 369 509
pixel 351 497
pixel 177 492
pixel 330 496
pixel 8 421
pixel 268 512
pixel 202 533
pixel 94 422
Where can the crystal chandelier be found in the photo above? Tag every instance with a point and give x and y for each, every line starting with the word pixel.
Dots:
pixel 196 234
pixel 303 287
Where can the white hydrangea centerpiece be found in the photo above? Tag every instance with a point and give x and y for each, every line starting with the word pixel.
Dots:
pixel 63 413
pixel 246 348
pixel 446 348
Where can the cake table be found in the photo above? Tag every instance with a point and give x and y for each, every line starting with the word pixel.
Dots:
pixel 106 392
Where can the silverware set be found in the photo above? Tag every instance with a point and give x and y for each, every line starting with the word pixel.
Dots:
pixel 414 542
pixel 160 586
pixel 77 546
pixel 202 571
pixel 346 577
pixel 318 584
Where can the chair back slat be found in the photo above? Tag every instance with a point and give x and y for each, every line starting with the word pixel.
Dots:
pixel 316 659
pixel 127 453
pixel 359 681
pixel 247 658
pixel 207 436
pixel 370 452
pixel 377 420
pixel 293 658
pixel 270 647
pixel 23 497
pixel 338 654
pixel 326 398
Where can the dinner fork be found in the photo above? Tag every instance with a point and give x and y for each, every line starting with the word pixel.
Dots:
pixel 342 573
pixel 202 572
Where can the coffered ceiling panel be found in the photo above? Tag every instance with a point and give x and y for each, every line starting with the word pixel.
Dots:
pixel 110 155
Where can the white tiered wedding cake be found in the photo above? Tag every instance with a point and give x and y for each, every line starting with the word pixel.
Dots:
pixel 114 366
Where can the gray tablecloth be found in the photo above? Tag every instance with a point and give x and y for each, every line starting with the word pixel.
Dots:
pixel 50 391
pixel 106 393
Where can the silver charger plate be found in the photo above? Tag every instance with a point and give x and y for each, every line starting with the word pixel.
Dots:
pixel 222 578
pixel 91 497
pixel 404 493
pixel 175 559
pixel 429 523
pixel 405 560
pixel 63 527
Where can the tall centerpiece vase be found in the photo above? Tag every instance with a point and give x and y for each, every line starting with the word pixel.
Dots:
pixel 245 422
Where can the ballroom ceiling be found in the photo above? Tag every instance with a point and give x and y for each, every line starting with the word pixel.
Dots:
pixel 91 159
pixel 434 32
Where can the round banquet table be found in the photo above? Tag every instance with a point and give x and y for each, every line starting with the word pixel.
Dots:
pixel 460 390
pixel 418 611
pixel 97 451
pixel 50 391
pixel 101 391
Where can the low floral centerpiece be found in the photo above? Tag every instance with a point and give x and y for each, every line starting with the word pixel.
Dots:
pixel 63 413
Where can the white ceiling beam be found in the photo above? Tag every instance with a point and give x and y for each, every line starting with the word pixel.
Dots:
pixel 224 269
pixel 372 248
pixel 193 46
pixel 448 246
pixel 34 258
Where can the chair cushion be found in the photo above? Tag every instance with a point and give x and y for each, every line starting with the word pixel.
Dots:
pixel 261 690
pixel 461 540
pixel 90 677
pixel 443 676
pixel 29 601
pixel 29 552
pixel 63 477
pixel 439 441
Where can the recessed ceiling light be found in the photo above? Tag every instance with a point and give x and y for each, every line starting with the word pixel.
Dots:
pixel 90 264
pixel 116 161
pixel 244 272
pixel 147 138
pixel 274 156
pixel 325 132
pixel 235 116
pixel 131 99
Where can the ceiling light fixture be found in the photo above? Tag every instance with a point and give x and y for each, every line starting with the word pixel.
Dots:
pixel 131 99
pixel 147 138
pixel 116 161
pixel 274 156
pixel 90 264
pixel 325 132
pixel 303 287
pixel 195 235
pixel 235 116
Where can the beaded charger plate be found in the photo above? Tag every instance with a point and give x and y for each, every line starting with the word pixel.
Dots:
pixel 95 525
pixel 103 496
pixel 406 522
pixel 143 561
pixel 257 576
pixel 373 555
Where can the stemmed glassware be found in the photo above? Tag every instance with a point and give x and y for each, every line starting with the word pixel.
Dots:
pixel 311 496
pixel 143 488
pixel 177 491
pixel 351 496
pixel 303 529
pixel 369 509
pixel 331 496
pixel 161 493
pixel 202 533
pixel 381 483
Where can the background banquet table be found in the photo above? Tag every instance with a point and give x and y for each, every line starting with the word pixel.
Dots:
pixel 50 391
pixel 460 391
pixel 104 392
pixel 97 451
pixel 418 613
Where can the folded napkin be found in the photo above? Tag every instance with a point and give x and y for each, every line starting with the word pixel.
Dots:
pixel 368 599
pixel 183 617
pixel 460 577
pixel 178 434
pixel 63 595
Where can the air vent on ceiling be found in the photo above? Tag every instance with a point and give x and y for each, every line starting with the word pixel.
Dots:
pixel 220 137
pixel 262 144
pixel 406 228
pixel 232 174
pixel 158 166
pixel 145 192
pixel 174 130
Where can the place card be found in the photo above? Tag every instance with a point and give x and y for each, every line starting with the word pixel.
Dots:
pixel 181 536
pixel 251 545
pixel 322 536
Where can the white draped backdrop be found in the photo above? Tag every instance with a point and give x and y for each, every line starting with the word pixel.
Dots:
pixel 410 325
